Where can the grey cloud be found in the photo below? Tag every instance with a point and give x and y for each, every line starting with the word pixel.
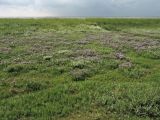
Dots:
pixel 16 2
pixel 133 8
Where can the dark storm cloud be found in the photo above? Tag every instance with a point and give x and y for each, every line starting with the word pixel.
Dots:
pixel 132 8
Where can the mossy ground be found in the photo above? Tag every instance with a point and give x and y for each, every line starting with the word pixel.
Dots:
pixel 79 69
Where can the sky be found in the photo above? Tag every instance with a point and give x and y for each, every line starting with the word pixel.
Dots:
pixel 79 8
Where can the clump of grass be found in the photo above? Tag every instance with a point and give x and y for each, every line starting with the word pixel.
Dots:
pixel 19 68
pixel 60 70
pixel 109 64
pixel 126 65
pixel 34 86
pixel 153 54
pixel 150 108
pixel 134 72
pixel 80 74
pixel 86 53
pixel 15 91
pixel 156 54
pixel 47 57
pixel 112 65
pixel 15 69
pixel 64 51
pixel 78 64
pixel 61 61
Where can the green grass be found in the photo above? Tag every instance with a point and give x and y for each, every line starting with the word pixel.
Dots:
pixel 79 69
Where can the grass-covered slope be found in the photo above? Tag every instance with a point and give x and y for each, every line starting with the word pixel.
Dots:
pixel 79 69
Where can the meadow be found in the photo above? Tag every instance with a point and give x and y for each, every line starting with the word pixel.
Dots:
pixel 80 69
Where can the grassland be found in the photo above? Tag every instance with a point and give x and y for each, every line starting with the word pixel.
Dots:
pixel 79 69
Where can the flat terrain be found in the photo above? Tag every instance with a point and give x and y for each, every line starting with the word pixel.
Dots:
pixel 79 69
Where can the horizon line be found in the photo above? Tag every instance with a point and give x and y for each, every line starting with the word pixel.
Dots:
pixel 32 17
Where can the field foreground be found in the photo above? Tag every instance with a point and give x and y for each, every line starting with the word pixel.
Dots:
pixel 79 69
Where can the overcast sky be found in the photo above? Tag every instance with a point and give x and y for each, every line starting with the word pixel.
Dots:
pixel 99 8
